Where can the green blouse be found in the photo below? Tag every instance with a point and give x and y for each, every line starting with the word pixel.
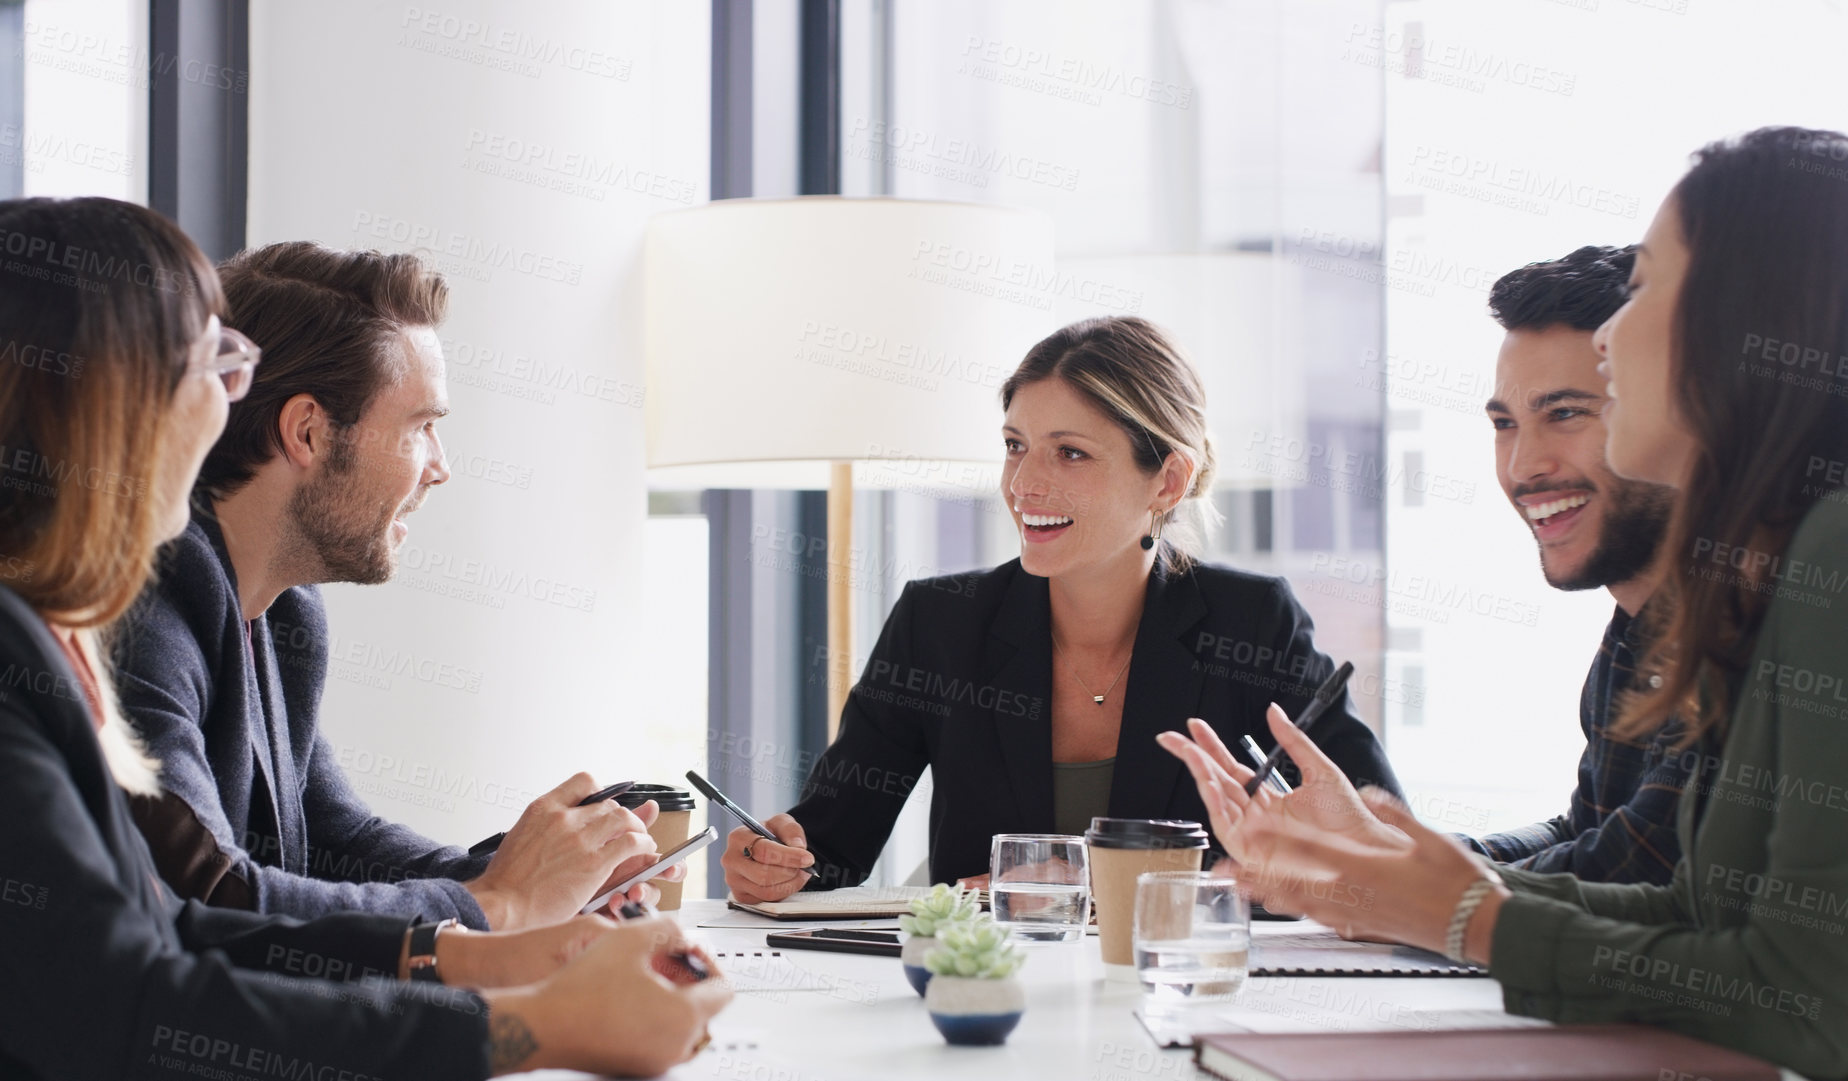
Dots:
pixel 1748 946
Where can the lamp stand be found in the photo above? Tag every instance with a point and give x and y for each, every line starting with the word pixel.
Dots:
pixel 840 591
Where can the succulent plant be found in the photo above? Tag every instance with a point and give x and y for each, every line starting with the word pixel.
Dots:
pixel 976 949
pixel 941 907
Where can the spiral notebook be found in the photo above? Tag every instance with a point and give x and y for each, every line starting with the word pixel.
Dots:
pixel 851 903
pixel 1324 953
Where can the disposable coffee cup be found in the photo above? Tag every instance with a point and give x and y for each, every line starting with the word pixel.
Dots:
pixel 670 827
pixel 1121 849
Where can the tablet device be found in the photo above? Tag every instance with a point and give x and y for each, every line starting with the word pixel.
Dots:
pixel 838 940
pixel 677 854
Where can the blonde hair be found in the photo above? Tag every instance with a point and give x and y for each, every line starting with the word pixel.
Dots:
pixel 1132 373
pixel 99 313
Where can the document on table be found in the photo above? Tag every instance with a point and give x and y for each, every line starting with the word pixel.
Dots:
pixel 1322 952
pixel 749 971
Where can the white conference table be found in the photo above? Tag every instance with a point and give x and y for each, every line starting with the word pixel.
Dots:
pixel 862 1020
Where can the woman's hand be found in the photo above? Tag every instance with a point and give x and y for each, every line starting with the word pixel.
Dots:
pixel 515 958
pixel 1325 801
pixel 1401 891
pixel 623 1006
pixel 770 872
pixel 973 882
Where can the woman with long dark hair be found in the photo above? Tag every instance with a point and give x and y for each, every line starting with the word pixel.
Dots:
pixel 115 378
pixel 1729 373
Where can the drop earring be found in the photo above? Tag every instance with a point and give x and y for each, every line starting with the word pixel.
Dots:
pixel 1154 533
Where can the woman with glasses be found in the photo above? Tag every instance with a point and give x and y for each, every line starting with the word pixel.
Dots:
pixel 1727 381
pixel 115 377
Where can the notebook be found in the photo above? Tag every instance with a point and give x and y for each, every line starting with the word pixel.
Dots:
pixel 1325 953
pixel 1560 1053
pixel 851 903
pixel 1176 1026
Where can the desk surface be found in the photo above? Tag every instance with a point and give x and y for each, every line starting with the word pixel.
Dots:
pixel 862 1020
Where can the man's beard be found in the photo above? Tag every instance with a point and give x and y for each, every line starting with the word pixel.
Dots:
pixel 1634 522
pixel 351 541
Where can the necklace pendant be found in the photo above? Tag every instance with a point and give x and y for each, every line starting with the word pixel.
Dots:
pixel 1098 698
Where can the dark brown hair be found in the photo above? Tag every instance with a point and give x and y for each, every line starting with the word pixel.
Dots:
pixel 1765 219
pixel 1129 370
pixel 329 324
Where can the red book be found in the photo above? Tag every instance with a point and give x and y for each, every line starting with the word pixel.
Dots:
pixel 1558 1053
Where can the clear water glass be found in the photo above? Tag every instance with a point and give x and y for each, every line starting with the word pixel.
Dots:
pixel 1039 886
pixel 1192 935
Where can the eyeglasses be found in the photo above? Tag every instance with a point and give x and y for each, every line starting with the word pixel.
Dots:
pixel 235 362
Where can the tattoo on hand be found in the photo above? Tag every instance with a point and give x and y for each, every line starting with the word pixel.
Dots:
pixel 510 1043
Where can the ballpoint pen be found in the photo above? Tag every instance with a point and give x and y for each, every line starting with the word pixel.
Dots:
pixel 1275 781
pixel 1325 696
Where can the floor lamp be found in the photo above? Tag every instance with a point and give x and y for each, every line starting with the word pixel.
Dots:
pixel 788 339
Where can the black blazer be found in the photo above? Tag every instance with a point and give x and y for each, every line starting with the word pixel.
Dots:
pixel 104 974
pixel 961 681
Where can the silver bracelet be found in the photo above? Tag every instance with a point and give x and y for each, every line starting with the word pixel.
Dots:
pixel 1459 919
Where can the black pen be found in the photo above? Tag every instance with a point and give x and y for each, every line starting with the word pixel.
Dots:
pixel 1325 696
pixel 705 787
pixel 489 844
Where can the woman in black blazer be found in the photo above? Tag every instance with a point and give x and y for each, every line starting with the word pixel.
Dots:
pixel 1034 691
pixel 115 382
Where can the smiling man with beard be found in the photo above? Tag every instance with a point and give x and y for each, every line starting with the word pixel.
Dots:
pixel 1594 530
pixel 221 663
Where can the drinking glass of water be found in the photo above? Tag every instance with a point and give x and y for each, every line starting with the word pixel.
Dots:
pixel 1039 886
pixel 1192 935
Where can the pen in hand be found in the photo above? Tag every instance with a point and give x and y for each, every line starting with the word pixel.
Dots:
pixel 490 844
pixel 632 910
pixel 1256 754
pixel 1325 696
pixel 711 792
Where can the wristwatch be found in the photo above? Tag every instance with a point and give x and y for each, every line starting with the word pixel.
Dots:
pixel 422 951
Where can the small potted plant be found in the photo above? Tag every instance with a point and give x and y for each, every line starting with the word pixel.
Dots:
pixel 930 914
pixel 974 998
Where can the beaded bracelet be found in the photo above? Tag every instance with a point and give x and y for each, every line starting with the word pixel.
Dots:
pixel 1459 919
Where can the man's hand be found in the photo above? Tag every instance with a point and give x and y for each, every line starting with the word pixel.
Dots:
pixel 770 874
pixel 559 855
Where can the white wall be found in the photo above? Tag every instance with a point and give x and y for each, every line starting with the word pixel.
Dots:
pixel 1526 130
pixel 522 147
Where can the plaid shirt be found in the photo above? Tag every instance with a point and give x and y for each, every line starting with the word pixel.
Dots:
pixel 1621 827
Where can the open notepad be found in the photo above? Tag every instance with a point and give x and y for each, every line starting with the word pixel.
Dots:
pixel 851 903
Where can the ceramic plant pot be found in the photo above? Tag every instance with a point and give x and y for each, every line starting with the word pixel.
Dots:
pixel 975 1012
pixel 916 946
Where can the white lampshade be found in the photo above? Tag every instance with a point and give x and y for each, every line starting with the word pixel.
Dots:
pixel 786 334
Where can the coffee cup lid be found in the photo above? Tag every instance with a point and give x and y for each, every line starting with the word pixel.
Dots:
pixel 666 796
pixel 1145 833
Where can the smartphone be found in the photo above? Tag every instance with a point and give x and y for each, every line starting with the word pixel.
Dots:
pixel 838 940
pixel 672 856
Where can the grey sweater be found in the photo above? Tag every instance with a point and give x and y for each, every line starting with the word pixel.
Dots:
pixel 256 813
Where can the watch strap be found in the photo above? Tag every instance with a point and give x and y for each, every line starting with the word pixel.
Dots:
pixel 423 950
